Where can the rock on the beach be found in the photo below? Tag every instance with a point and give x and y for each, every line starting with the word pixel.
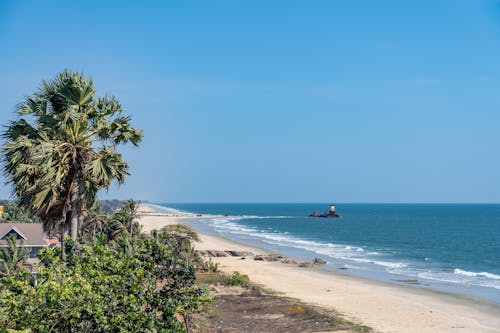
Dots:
pixel 269 257
pixel 213 253
pixel 239 253
pixel 275 258
pixel 306 264
pixel 289 261
pixel 318 261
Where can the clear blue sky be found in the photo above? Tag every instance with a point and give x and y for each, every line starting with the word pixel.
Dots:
pixel 281 101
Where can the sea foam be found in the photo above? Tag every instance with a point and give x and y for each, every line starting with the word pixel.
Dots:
pixel 351 253
pixel 476 274
pixel 364 258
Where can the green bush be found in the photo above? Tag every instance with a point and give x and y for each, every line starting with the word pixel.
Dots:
pixel 238 279
pixel 209 266
pixel 102 288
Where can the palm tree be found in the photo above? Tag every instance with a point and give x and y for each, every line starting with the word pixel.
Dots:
pixel 93 223
pixel 62 150
pixel 12 257
pixel 127 216
pixel 123 223
pixel 14 213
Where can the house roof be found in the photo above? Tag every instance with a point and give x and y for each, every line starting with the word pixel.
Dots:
pixel 12 229
pixel 31 233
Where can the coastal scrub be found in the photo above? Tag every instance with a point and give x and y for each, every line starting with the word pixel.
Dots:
pixel 101 288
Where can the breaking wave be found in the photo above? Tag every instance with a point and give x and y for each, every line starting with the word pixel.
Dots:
pixel 344 255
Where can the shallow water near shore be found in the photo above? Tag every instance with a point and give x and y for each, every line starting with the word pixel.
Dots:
pixel 447 247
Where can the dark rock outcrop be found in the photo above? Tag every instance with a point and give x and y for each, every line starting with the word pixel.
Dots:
pixel 268 257
pixel 212 253
pixel 306 264
pixel 239 253
pixel 275 258
pixel 318 262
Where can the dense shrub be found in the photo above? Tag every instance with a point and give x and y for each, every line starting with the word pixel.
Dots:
pixel 238 279
pixel 102 288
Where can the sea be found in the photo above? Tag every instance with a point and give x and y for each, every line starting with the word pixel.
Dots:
pixel 446 247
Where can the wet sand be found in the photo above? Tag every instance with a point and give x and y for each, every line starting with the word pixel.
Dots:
pixel 383 306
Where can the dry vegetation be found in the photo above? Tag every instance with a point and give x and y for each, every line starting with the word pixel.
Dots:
pixel 250 308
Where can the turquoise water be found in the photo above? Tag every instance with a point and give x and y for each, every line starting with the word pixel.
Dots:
pixel 444 246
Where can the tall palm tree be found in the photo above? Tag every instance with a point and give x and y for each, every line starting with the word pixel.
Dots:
pixel 62 149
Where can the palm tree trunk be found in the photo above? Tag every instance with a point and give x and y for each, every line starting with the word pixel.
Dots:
pixel 80 223
pixel 186 322
pixel 63 252
pixel 74 214
pixel 74 225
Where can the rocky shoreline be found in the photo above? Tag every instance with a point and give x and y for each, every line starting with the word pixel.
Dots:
pixel 261 257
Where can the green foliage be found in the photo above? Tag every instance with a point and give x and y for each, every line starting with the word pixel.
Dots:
pixel 178 237
pixel 179 231
pixel 209 266
pixel 62 149
pixel 123 223
pixel 58 153
pixel 12 257
pixel 17 214
pixel 238 279
pixel 102 288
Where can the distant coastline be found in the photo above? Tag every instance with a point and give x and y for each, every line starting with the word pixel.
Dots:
pixel 401 243
pixel 383 306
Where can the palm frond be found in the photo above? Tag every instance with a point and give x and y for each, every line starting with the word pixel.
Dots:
pixel 53 150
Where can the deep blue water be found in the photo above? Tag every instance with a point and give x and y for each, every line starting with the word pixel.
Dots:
pixel 451 247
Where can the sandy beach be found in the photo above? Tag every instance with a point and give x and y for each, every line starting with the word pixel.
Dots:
pixel 383 306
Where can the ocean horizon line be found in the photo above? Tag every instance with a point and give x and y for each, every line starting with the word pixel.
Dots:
pixel 313 202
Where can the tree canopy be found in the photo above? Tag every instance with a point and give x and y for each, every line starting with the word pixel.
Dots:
pixel 102 288
pixel 62 149
pixel 17 214
pixel 58 153
pixel 125 282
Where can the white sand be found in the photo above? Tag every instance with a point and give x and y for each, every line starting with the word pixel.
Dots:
pixel 383 306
